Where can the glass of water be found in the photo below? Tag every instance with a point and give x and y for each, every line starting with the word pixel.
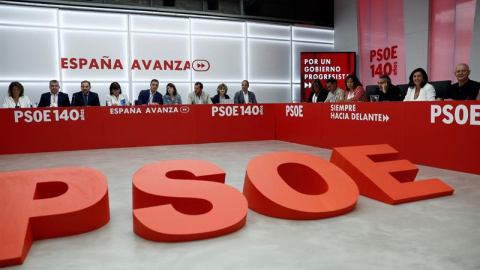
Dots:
pixel 374 98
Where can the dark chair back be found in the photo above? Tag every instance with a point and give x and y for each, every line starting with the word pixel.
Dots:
pixel 441 88
pixel 370 90
pixel 403 89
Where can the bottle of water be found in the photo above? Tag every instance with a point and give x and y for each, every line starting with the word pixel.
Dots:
pixel 122 102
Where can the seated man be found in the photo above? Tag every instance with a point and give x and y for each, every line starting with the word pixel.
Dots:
pixel 464 89
pixel 244 96
pixel 85 97
pixel 336 94
pixel 386 90
pixel 199 96
pixel 150 96
pixel 54 98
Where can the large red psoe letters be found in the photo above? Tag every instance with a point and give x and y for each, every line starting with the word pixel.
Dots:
pixel 185 200
pixel 380 176
pixel 48 203
pixel 294 185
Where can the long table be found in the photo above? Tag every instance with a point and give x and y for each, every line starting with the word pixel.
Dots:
pixel 438 134
pixel 444 135
pixel 78 128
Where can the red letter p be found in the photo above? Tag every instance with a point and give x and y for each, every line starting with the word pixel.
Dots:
pixel 40 204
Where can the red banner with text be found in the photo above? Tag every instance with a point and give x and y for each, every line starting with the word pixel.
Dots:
pixel 381 40
pixel 450 36
pixel 322 66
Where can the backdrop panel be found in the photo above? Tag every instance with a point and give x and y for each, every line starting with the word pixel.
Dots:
pixel 269 61
pixel 28 16
pixel 268 31
pixel 164 57
pixel 381 40
pixel 219 59
pixel 75 45
pixel 28 53
pixel 93 20
pixel 140 23
pixel 94 55
pixel 270 93
pixel 217 28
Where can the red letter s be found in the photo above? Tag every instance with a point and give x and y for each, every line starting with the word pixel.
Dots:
pixel 173 204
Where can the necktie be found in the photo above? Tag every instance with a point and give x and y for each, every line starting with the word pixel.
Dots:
pixel 85 100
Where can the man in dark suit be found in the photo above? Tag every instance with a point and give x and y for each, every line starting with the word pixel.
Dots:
pixel 245 96
pixel 85 97
pixel 54 98
pixel 150 96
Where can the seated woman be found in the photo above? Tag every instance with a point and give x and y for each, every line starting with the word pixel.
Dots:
pixel 171 97
pixel 116 98
pixel 319 94
pixel 221 96
pixel 354 90
pixel 16 98
pixel 418 87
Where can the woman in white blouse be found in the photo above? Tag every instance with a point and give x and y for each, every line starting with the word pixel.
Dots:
pixel 418 87
pixel 16 98
pixel 116 98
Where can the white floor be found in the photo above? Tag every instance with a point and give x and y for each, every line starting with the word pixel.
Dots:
pixel 442 233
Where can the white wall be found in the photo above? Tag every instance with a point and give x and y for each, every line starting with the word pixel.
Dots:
pixel 416 35
pixel 34 40
pixel 346 32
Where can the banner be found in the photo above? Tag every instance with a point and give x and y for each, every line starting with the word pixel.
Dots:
pixel 323 66
pixel 451 33
pixel 381 36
